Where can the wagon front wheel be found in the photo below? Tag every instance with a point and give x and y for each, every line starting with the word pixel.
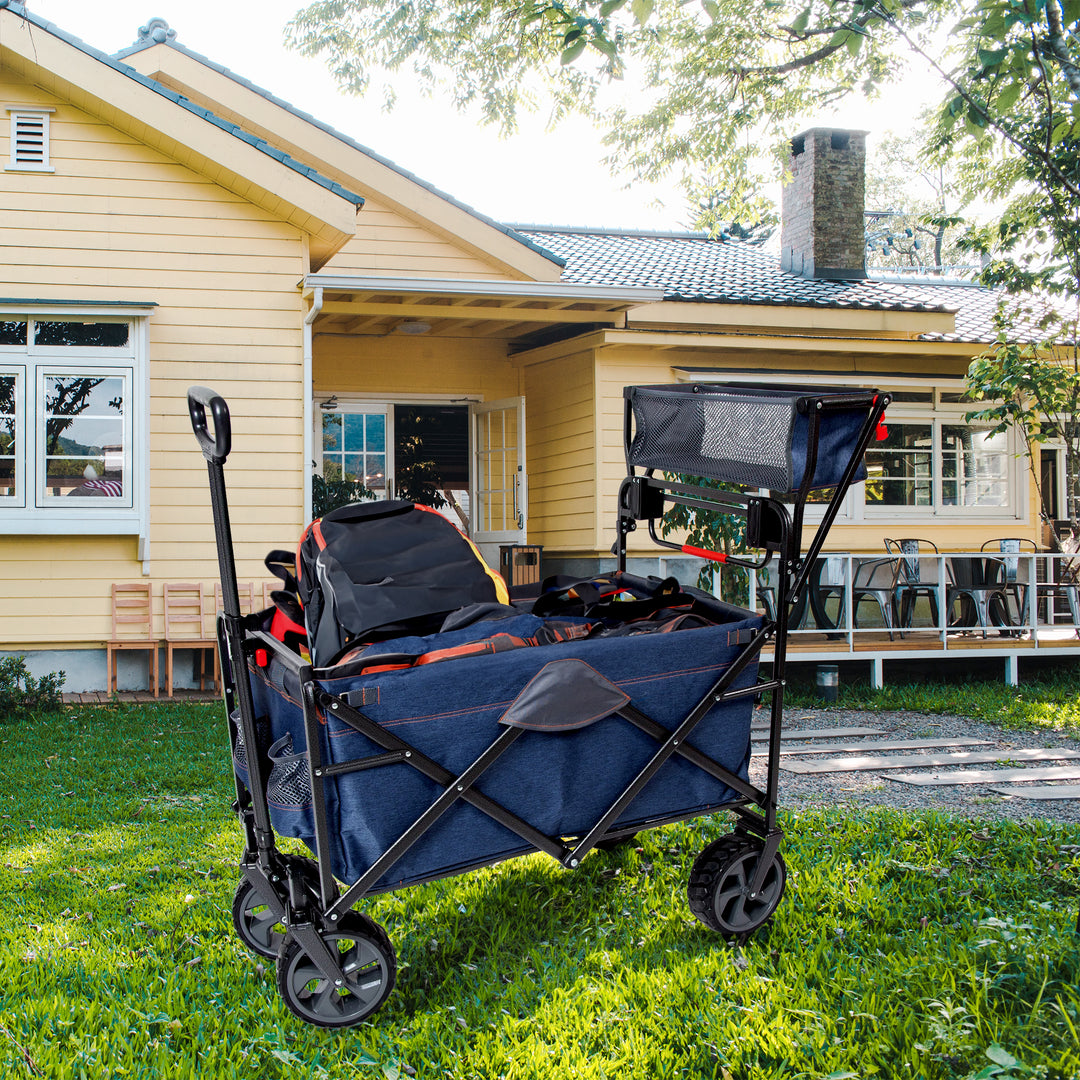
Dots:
pixel 719 886
pixel 257 920
pixel 367 961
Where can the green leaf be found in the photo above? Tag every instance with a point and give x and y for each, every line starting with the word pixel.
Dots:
pixel 642 9
pixel 991 58
pixel 801 21
pixel 712 9
pixel 574 49
pixel 854 44
pixel 1008 96
pixel 1060 131
pixel 1000 1056
pixel 609 6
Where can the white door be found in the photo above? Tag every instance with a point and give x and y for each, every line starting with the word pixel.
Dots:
pixel 499 504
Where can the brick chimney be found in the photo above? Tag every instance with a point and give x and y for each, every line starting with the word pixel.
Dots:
pixel 821 217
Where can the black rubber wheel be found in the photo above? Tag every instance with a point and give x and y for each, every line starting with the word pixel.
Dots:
pixel 253 915
pixel 719 886
pixel 369 965
pixel 256 924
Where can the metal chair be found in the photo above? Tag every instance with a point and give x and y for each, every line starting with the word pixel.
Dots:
pixel 132 629
pixel 875 579
pixel 1047 593
pixel 978 583
pixel 910 581
pixel 1011 547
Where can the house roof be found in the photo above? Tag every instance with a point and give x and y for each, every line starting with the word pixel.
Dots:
pixel 695 268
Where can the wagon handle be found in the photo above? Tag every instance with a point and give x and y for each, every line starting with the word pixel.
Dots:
pixel 200 398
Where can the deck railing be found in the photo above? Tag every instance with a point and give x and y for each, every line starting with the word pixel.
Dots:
pixel 1005 604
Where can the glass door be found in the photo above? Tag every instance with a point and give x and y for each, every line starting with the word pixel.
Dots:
pixel 499 487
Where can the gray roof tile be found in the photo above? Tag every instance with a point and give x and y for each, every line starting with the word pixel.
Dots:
pixel 694 268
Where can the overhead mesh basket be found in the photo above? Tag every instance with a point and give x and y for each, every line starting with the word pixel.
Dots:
pixel 751 435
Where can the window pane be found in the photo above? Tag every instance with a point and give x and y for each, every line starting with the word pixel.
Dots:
pixel 899 468
pixel 81 334
pixel 12 333
pixel 354 467
pixel 974 467
pixel 7 436
pixel 376 432
pixel 84 437
pixel 354 432
pixel 375 477
pixel 331 432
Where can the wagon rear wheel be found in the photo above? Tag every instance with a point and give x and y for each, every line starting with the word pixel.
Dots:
pixel 367 962
pixel 719 886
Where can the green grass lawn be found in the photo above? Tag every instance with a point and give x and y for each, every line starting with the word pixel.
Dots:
pixel 906 946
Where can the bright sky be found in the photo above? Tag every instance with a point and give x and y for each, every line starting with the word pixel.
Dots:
pixel 536 177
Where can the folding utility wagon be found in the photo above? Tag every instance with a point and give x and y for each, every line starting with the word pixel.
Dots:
pixel 428 746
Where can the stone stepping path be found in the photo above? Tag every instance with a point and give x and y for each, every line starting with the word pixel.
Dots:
pixel 1049 791
pixel 849 750
pixel 987 776
pixel 885 744
pixel 759 733
pixel 908 761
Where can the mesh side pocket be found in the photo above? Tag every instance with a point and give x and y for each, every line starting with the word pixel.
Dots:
pixel 288 791
pixel 239 747
pixel 290 783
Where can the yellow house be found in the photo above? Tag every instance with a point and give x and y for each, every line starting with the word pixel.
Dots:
pixel 165 223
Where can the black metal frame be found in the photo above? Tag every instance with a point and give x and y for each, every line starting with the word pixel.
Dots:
pixel 280 879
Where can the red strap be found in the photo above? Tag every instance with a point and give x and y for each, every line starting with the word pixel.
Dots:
pixel 704 553
pixel 881 432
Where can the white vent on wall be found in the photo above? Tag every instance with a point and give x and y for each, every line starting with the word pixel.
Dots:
pixel 29 149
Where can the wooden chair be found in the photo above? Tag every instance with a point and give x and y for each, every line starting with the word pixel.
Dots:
pixel 132 629
pixel 245 590
pixel 186 628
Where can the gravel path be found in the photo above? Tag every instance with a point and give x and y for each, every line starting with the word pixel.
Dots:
pixel 872 789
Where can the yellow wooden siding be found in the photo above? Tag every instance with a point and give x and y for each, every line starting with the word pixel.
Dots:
pixel 389 244
pixel 560 452
pixel 118 221
pixel 391 365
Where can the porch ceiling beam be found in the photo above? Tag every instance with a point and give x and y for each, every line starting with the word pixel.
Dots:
pixel 621 296
pixel 473 312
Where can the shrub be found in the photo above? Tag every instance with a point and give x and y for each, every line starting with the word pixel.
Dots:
pixel 21 694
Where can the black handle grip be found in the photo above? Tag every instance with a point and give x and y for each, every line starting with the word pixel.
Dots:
pixel 200 398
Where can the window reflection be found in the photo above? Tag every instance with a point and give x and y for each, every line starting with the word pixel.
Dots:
pixel 84 436
pixel 7 437
pixel 81 335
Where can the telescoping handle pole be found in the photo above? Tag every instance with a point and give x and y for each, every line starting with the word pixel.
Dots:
pixel 215 447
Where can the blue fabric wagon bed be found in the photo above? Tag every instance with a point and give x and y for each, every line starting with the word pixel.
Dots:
pixel 574 757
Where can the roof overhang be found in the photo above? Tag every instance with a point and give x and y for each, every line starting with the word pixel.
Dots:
pixel 42 55
pixel 383 305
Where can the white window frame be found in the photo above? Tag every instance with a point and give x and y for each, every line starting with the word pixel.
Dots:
pixel 32 513
pixel 18 500
pixel 937 416
pixel 18 115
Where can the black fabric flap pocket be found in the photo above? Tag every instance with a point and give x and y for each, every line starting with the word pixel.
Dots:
pixel 562 696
